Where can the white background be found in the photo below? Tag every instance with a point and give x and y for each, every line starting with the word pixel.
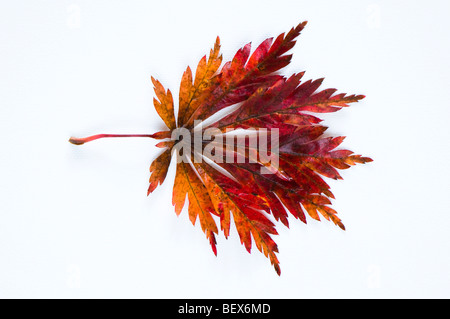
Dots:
pixel 75 222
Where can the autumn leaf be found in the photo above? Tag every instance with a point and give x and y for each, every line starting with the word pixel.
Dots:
pixel 261 162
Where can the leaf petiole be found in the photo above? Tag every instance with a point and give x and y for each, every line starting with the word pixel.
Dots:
pixel 81 141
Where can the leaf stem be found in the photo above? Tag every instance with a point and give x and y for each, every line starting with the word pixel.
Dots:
pixel 81 141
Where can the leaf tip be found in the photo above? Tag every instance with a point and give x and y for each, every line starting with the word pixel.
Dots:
pixel 277 269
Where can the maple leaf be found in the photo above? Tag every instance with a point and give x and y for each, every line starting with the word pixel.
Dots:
pixel 231 179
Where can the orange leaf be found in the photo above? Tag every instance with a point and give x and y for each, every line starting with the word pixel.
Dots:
pixel 164 106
